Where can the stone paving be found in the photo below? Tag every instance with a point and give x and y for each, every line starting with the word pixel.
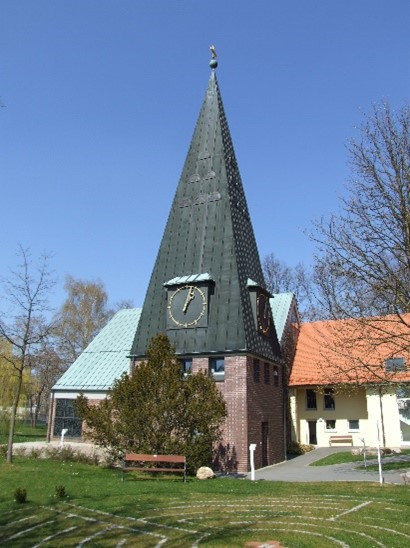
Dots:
pixel 298 469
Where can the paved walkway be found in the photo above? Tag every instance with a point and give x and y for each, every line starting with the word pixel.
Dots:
pixel 298 469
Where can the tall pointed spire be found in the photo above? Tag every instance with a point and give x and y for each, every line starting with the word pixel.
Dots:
pixel 209 242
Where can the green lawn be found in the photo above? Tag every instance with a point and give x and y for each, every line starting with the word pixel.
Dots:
pixel 345 457
pixel 221 512
pixel 23 432
pixel 386 466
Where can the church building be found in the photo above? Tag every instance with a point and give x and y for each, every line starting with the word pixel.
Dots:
pixel 207 293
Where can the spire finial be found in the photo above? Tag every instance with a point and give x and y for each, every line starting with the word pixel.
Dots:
pixel 213 63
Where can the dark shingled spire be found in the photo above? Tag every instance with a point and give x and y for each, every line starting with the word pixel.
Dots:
pixel 209 231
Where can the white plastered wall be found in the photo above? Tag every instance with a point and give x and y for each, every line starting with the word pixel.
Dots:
pixel 74 395
pixel 386 406
pixel 348 406
pixel 362 404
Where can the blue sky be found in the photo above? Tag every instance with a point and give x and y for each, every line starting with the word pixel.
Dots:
pixel 101 98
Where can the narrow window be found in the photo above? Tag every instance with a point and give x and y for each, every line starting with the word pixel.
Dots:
pixel 256 371
pixel 331 425
pixel 217 368
pixel 275 376
pixel 353 424
pixel 266 373
pixel 328 399
pixel 186 365
pixel 311 399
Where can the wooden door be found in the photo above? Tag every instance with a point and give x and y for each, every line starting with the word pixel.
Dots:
pixel 312 432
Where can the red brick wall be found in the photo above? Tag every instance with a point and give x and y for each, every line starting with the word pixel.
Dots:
pixel 249 404
pixel 265 404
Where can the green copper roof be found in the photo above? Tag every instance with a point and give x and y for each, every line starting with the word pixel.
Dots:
pixel 208 230
pixel 106 358
pixel 281 304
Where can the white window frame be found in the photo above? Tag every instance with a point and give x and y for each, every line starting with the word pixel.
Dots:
pixel 353 429
pixel 330 429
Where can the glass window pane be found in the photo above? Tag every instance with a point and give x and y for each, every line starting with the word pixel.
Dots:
pixel 256 371
pixel 66 416
pixel 311 399
pixel 217 365
pixel 186 365
pixel 275 376
pixel 395 364
pixel 266 373
pixel 329 401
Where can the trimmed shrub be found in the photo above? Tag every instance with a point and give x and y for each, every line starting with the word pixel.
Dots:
pixel 60 492
pixel 20 495
pixel 296 448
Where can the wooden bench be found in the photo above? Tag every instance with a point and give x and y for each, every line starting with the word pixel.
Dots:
pixel 341 439
pixel 136 461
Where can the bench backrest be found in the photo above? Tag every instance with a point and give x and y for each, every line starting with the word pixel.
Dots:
pixel 153 458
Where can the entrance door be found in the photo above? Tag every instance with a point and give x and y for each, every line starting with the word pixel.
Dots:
pixel 312 432
pixel 265 436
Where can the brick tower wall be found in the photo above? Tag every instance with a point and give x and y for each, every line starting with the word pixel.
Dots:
pixel 249 404
pixel 265 405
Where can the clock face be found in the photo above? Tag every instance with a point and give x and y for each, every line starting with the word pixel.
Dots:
pixel 187 306
pixel 263 313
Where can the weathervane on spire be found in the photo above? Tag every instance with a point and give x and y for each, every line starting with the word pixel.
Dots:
pixel 213 63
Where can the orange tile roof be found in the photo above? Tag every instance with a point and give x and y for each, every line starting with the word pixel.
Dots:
pixel 351 351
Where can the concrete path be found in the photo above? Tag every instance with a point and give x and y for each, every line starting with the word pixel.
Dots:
pixel 298 469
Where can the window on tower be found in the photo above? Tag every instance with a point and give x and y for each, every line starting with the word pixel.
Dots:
pixel 275 376
pixel 217 368
pixel 266 373
pixel 256 371
pixel 186 365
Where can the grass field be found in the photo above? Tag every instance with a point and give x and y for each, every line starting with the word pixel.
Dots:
pixel 103 511
pixel 346 456
pixel 387 466
pixel 23 432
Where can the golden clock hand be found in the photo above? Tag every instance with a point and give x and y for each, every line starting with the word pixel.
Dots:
pixel 188 299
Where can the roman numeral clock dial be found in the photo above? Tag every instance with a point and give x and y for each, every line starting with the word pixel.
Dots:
pixel 187 306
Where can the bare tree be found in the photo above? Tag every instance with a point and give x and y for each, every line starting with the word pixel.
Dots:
pixel 23 325
pixel 362 267
pixel 363 253
pixel 83 314
pixel 281 278
pixel 46 366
